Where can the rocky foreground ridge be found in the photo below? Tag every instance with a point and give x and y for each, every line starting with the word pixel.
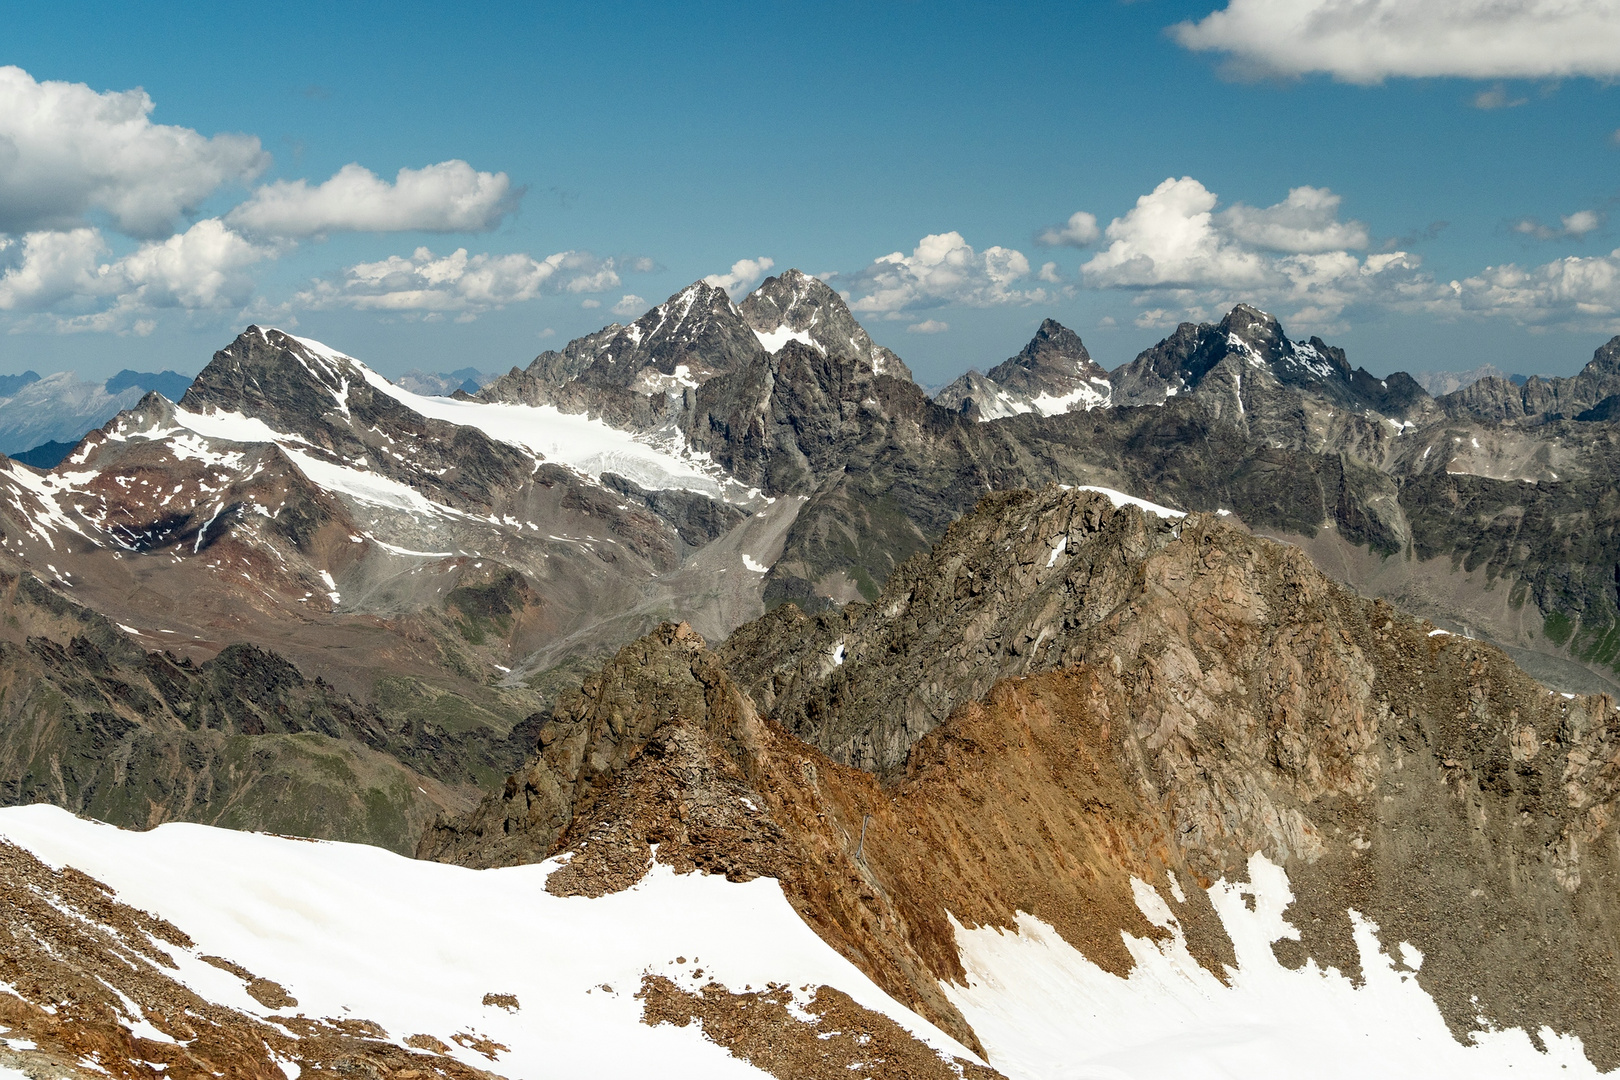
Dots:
pixel 1063 695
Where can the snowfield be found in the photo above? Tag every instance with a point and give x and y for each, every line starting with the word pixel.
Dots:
pixel 415 946
pixel 1042 1009
pixel 357 931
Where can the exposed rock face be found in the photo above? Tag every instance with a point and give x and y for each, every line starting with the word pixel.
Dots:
pixel 635 376
pixel 1497 399
pixel 1251 342
pixel 1065 696
pixel 797 307
pixel 1053 374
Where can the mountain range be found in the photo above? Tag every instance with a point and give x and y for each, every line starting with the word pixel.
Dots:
pixel 1236 665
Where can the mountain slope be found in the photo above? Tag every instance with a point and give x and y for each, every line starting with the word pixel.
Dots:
pixel 1076 703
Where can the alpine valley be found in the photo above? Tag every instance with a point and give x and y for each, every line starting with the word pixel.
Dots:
pixel 708 699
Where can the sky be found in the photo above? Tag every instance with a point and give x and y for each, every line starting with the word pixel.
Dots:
pixel 1431 184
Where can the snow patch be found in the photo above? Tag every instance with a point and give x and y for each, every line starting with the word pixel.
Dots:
pixel 773 341
pixel 326 921
pixel 1043 1010
pixel 1119 498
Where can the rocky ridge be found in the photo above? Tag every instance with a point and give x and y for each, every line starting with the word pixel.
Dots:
pixel 1128 696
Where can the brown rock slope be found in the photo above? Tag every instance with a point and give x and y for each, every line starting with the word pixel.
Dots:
pixel 1061 696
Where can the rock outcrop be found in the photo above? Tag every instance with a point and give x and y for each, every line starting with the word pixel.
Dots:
pixel 1062 696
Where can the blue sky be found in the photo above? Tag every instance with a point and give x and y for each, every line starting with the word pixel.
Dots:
pixel 638 147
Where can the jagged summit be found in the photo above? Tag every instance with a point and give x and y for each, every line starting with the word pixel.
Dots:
pixel 1053 374
pixel 1577 397
pixel 1247 353
pixel 793 306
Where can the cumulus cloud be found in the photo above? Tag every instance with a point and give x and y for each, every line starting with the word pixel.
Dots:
pixel 1185 258
pixel 631 304
pixel 744 273
pixel 1306 221
pixel 1571 226
pixel 1575 293
pixel 425 283
pixel 1079 231
pixel 1050 273
pixel 67 275
pixel 67 150
pixel 1171 237
pixel 448 197
pixel 928 326
pixel 1367 41
pixel 942 269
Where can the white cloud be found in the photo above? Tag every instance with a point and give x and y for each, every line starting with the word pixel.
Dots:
pixel 1575 293
pixel 458 282
pixel 1171 238
pixel 742 276
pixel 1582 222
pixel 1156 319
pixel 202 267
pixel 448 197
pixel 942 269
pixel 928 326
pixel 64 274
pixel 1366 41
pixel 46 268
pixel 1497 97
pixel 1079 231
pixel 1572 226
pixel 1306 221
pixel 1184 258
pixel 67 150
pixel 1050 274
pixel 590 305
pixel 631 304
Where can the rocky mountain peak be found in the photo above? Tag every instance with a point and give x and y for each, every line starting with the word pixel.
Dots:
pixel 793 306
pixel 1054 357
pixel 1246 343
pixel 689 338
pixel 1053 374
pixel 288 382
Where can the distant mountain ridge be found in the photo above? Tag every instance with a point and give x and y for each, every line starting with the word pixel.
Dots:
pixel 61 407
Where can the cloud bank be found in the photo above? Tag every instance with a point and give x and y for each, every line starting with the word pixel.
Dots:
pixel 448 197
pixel 468 285
pixel 1367 41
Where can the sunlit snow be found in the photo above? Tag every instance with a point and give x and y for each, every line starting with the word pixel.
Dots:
pixel 357 931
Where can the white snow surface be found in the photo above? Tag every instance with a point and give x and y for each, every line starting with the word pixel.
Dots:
pixel 775 339
pixel 1044 1011
pixel 1119 498
pixel 357 931
pixel 572 439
